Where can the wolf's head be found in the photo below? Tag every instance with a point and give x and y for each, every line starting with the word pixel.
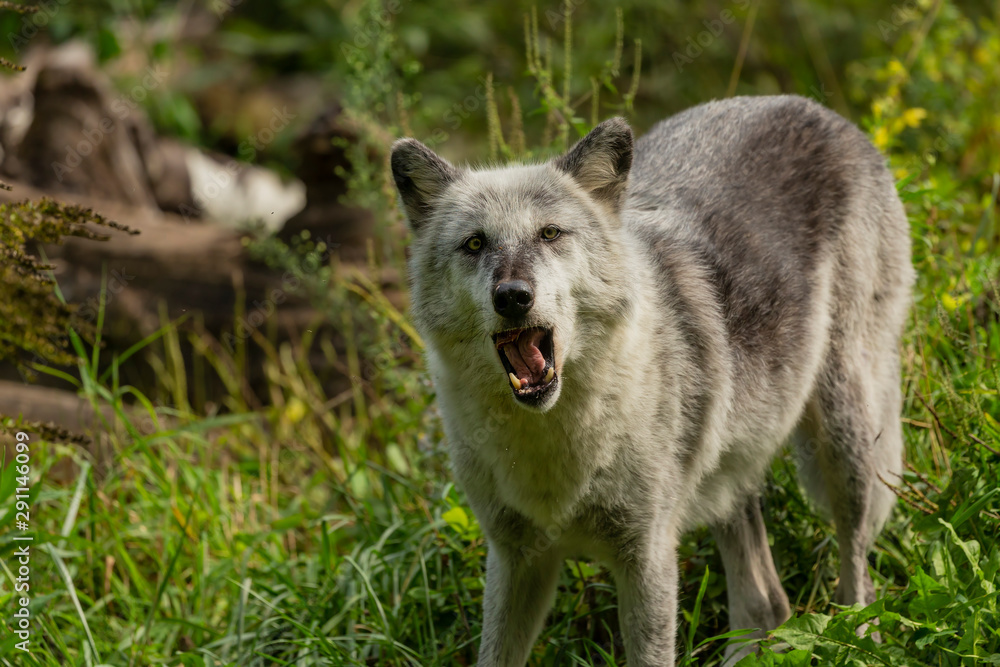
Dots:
pixel 517 274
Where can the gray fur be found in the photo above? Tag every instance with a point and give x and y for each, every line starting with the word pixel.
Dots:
pixel 738 279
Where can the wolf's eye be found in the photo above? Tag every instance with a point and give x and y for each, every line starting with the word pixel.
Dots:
pixel 550 232
pixel 475 244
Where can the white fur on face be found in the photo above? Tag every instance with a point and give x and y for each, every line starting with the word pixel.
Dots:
pixel 509 208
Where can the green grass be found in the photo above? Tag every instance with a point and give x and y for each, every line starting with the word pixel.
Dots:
pixel 325 530
pixel 296 527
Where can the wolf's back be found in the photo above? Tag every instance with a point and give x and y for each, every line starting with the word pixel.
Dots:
pixel 786 205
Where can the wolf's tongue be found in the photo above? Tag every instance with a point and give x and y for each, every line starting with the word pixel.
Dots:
pixel 524 355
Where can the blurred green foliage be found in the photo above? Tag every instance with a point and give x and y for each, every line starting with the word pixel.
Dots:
pixel 34 318
pixel 446 49
pixel 323 529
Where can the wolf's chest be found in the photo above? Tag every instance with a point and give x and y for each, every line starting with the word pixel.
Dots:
pixel 545 483
pixel 542 473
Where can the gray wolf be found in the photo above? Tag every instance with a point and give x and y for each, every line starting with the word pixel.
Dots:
pixel 623 337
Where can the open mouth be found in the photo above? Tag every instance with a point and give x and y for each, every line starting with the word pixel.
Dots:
pixel 528 355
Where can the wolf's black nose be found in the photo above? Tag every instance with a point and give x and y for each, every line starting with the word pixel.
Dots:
pixel 513 298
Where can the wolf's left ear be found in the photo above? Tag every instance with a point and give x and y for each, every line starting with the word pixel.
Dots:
pixel 421 175
pixel 600 162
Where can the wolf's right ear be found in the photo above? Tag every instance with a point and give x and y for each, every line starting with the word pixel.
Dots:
pixel 421 175
pixel 600 162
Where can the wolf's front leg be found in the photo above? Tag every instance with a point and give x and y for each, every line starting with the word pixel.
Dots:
pixel 519 592
pixel 647 605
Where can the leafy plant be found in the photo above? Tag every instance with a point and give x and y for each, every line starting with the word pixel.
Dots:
pixel 308 528
pixel 34 320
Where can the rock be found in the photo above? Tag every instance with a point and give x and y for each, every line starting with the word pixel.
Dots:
pixel 74 134
pixel 326 216
pixel 80 136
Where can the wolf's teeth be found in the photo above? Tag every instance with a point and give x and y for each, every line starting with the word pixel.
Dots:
pixel 514 381
pixel 549 375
